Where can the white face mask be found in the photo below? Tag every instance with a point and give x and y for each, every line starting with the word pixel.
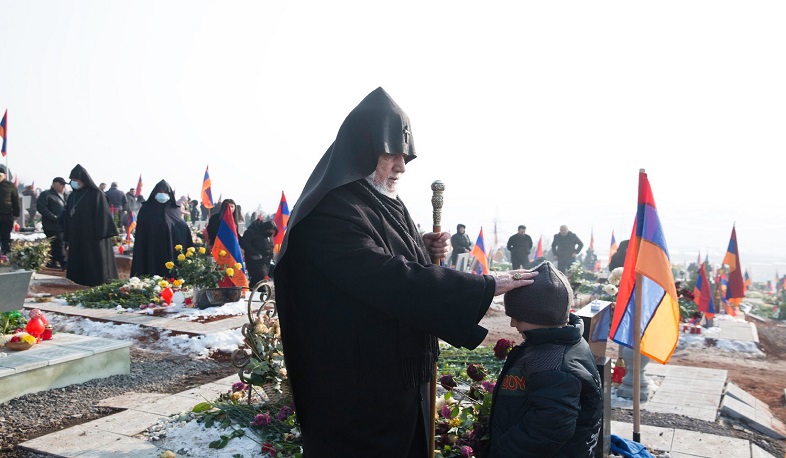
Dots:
pixel 74 185
pixel 162 197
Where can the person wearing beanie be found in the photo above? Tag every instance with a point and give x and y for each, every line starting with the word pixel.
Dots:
pixel 9 210
pixel 548 400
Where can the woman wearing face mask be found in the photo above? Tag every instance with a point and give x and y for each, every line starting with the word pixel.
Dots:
pixel 159 227
pixel 88 229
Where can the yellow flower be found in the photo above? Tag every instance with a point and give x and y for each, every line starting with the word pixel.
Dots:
pixel 236 396
pixel 163 283
pixel 238 266
pixel 189 254
pixel 191 249
pixel 169 265
pixel 28 339
pixel 454 422
pixel 202 250
pixel 181 257
pixel 222 253
pixel 179 247
pixel 177 283
pixel 230 272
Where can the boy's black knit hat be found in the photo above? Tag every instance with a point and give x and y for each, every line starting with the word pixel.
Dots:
pixel 546 302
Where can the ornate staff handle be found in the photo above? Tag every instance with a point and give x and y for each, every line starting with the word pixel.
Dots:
pixel 437 189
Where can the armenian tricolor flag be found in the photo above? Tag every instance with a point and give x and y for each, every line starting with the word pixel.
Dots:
pixel 207 194
pixel 735 290
pixel 139 186
pixel 4 130
pixel 538 250
pixel 702 293
pixel 281 219
pixel 131 226
pixel 613 247
pixel 647 260
pixel 479 252
pixel 226 251
pixel 747 280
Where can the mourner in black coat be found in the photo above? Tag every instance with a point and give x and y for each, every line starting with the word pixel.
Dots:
pixel 88 229
pixel 257 245
pixel 159 227
pixel 361 305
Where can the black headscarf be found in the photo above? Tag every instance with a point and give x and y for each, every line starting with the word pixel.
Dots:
pixel 163 186
pixel 159 228
pixel 375 127
pixel 80 173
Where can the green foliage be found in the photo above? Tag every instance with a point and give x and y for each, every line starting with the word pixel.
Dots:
pixel 110 295
pixel 12 320
pixel 30 255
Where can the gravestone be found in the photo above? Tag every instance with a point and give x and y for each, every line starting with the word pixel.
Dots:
pixel 14 287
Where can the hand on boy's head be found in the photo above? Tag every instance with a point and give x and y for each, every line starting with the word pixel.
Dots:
pixel 512 280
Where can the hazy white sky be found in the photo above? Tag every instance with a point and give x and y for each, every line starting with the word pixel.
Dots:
pixel 530 113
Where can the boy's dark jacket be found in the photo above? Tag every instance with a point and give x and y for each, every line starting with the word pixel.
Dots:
pixel 548 399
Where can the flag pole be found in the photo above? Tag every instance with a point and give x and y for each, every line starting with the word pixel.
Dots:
pixel 437 188
pixel 637 362
pixel 637 356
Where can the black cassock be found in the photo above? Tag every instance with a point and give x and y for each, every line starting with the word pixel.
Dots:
pixel 359 303
pixel 88 230
pixel 159 227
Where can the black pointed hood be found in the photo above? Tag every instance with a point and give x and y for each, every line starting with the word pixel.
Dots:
pixel 376 126
pixel 163 186
pixel 80 173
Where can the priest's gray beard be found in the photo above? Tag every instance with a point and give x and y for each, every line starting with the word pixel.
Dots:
pixel 381 187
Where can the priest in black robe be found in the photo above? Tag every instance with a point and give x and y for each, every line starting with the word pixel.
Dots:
pixel 360 303
pixel 88 229
pixel 159 227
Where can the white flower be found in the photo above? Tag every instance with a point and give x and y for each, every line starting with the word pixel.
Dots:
pixel 609 289
pixel 615 276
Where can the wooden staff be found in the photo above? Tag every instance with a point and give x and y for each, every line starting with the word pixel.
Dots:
pixel 437 189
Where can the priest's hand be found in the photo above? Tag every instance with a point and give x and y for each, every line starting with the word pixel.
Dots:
pixel 513 279
pixel 437 244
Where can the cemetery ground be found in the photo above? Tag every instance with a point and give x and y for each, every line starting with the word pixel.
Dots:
pixel 156 371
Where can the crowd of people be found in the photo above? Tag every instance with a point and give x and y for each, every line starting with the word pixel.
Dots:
pixel 85 222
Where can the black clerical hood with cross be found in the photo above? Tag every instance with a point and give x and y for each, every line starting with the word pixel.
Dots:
pixel 376 126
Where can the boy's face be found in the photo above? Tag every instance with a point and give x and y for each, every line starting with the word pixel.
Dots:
pixel 522 326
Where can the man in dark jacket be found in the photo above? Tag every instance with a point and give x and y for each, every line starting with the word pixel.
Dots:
pixel 117 199
pixel 566 246
pixel 520 244
pixel 361 305
pixel 9 210
pixel 50 205
pixel 548 400
pixel 461 244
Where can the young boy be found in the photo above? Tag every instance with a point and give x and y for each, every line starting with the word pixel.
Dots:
pixel 548 399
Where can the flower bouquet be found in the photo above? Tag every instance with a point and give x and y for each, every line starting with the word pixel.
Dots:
pixel 30 255
pixel 197 269
pixel 21 341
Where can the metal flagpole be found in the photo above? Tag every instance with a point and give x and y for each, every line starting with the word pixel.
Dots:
pixel 437 188
pixel 637 362
pixel 637 355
